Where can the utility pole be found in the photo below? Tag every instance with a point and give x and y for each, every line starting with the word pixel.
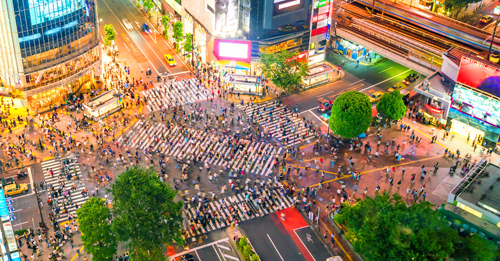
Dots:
pixel 383 9
pixel 335 21
pixel 37 198
pixel 373 6
pixel 493 37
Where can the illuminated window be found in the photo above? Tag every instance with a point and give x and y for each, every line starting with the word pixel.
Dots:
pixel 470 210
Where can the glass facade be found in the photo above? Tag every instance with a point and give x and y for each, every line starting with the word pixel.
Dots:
pixel 52 32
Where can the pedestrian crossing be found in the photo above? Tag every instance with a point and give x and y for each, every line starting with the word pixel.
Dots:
pixel 74 196
pixel 279 121
pixel 174 93
pixel 237 207
pixel 209 147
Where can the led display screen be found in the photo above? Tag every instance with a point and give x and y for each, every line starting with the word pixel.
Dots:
pixel 42 11
pixel 286 6
pixel 226 16
pixel 232 50
pixel 473 72
pixel 476 104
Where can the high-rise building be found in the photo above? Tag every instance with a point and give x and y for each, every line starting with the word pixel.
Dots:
pixel 48 48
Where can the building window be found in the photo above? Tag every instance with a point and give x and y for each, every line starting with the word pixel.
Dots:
pixel 470 210
pixel 210 9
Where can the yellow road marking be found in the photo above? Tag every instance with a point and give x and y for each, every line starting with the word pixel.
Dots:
pixel 338 243
pixel 81 249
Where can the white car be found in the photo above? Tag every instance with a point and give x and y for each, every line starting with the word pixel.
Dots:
pixel 127 24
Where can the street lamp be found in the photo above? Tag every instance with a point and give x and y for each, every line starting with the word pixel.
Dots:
pixel 493 37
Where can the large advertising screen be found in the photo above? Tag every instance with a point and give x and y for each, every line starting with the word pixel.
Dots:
pixel 42 11
pixel 232 50
pixel 226 16
pixel 286 6
pixel 473 72
pixel 476 105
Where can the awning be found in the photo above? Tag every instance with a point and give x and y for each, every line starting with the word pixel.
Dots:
pixel 374 111
pixel 238 65
pixel 433 109
pixel 168 8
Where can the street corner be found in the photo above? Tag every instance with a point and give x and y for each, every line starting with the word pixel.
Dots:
pixel 291 218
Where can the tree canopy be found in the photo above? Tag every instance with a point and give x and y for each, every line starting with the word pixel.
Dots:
pixel 188 44
pixel 97 236
pixel 456 6
pixel 177 31
pixel 109 34
pixel 282 70
pixel 148 4
pixel 476 248
pixel 351 114
pixel 145 213
pixel 165 21
pixel 391 105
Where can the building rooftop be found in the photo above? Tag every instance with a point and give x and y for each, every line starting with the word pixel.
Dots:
pixel 440 85
pixel 318 70
pixel 482 188
pixel 455 55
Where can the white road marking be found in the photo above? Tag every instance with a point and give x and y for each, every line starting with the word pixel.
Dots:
pixel 275 247
pixel 20 224
pixel 132 38
pixel 197 248
pixel 303 243
pixel 215 249
pixel 309 109
pixel 314 114
pixel 196 252
pixel 384 80
pixel 385 70
pixel 356 82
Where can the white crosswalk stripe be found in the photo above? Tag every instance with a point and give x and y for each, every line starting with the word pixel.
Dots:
pixel 174 92
pixel 226 209
pixel 74 195
pixel 254 157
pixel 279 121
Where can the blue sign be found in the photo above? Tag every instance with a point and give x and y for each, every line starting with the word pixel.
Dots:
pixel 3 205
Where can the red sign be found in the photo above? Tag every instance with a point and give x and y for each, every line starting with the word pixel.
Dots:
pixel 301 57
pixel 473 72
pixel 321 30
pixel 319 17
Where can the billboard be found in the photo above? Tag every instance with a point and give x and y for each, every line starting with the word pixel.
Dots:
pixel 226 16
pixel 232 50
pixel 42 11
pixel 473 71
pixel 286 6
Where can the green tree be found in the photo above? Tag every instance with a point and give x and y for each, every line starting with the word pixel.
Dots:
pixel 98 239
pixel 148 4
pixel 165 21
pixel 145 213
pixel 391 105
pixel 386 228
pixel 177 29
pixel 351 114
pixel 286 75
pixel 476 248
pixel 109 34
pixel 188 44
pixel 456 6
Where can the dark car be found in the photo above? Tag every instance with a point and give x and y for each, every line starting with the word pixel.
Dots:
pixel 324 104
pixel 188 257
pixel 8 181
pixel 411 78
pixel 146 28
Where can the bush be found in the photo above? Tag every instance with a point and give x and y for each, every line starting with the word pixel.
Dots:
pixel 20 232
pixel 255 257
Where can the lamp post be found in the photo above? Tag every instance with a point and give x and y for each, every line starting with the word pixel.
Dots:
pixel 493 37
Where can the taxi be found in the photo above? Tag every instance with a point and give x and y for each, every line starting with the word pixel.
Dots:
pixel 15 189
pixel 397 86
pixel 376 96
pixel 170 60
pixel 324 104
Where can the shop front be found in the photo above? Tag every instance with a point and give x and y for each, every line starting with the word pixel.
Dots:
pixel 244 84
pixel 317 75
pixel 43 101
pixel 350 49
pixel 103 105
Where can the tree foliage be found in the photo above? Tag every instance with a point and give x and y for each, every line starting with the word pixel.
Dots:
pixel 148 4
pixel 165 21
pixel 456 6
pixel 145 213
pixel 385 228
pixel 351 114
pixel 178 31
pixel 188 44
pixel 109 34
pixel 391 105
pixel 287 75
pixel 98 239
pixel 476 248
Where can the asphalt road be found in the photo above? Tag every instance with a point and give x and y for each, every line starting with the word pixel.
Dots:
pixel 273 241
pixel 366 79
pixel 487 10
pixel 140 50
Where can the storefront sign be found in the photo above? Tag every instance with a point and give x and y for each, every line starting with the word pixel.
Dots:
pixel 281 46
pixel 473 72
pixel 176 6
pixel 319 17
pixel 200 29
pixel 301 57
pixel 433 109
pixel 188 16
